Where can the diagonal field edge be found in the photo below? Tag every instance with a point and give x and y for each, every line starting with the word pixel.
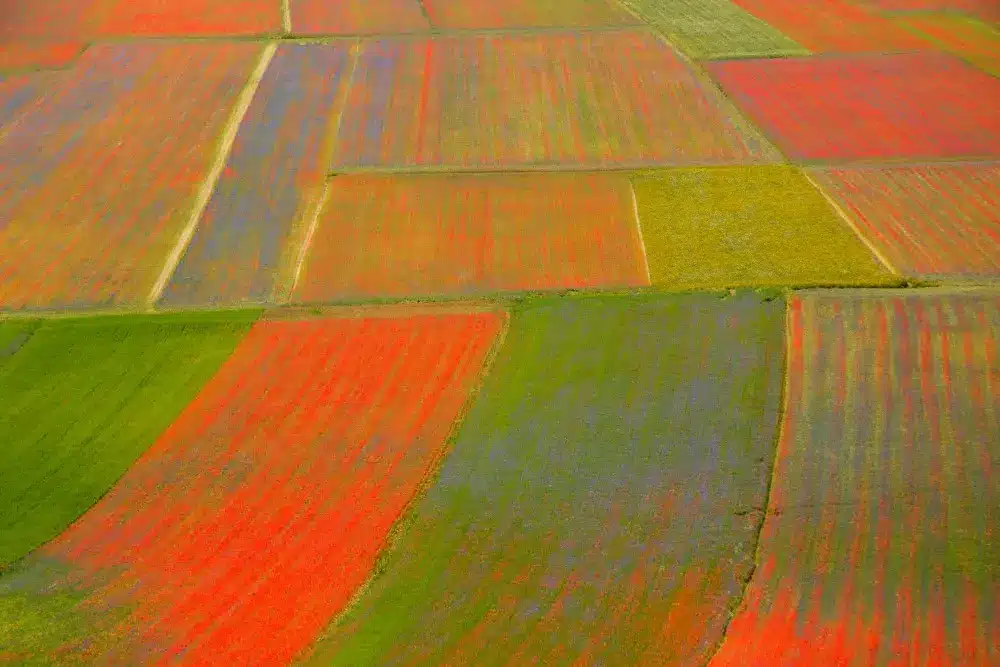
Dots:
pixel 208 185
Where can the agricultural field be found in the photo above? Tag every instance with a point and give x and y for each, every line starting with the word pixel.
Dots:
pixel 269 186
pixel 833 26
pixel 352 17
pixel 715 29
pixel 540 539
pixel 876 546
pixel 975 41
pixel 94 194
pixel 735 239
pixel 82 399
pixel 433 235
pixel 931 221
pixel 914 105
pixel 309 431
pixel 510 100
pixel 470 14
pixel 500 332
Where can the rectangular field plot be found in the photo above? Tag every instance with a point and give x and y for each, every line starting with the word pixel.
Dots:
pixel 258 513
pixel 33 55
pixel 724 227
pixel 928 222
pixel 899 106
pixel 187 17
pixel 877 548
pixel 398 236
pixel 501 101
pixel 80 400
pixel 715 29
pixel 594 508
pixel 273 177
pixel 98 178
pixel 323 17
pixel 86 19
pixel 839 26
pixel 975 41
pixel 471 14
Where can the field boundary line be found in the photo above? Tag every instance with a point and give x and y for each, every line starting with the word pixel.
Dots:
pixel 326 157
pixel 405 518
pixel 307 241
pixel 779 433
pixel 215 171
pixel 638 228
pixel 850 223
pixel 286 16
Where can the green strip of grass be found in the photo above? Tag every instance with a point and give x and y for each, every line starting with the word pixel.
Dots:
pixel 82 398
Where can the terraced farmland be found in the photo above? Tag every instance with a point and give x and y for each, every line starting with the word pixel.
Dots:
pixel 590 332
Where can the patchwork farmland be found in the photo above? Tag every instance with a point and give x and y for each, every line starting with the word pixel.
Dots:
pixel 521 332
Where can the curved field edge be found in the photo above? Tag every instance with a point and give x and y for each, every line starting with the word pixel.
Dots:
pixel 261 509
pixel 482 568
pixel 82 398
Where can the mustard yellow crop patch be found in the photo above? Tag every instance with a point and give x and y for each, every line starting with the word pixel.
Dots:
pixel 759 226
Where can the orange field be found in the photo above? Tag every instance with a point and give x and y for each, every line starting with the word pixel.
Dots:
pixel 398 236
